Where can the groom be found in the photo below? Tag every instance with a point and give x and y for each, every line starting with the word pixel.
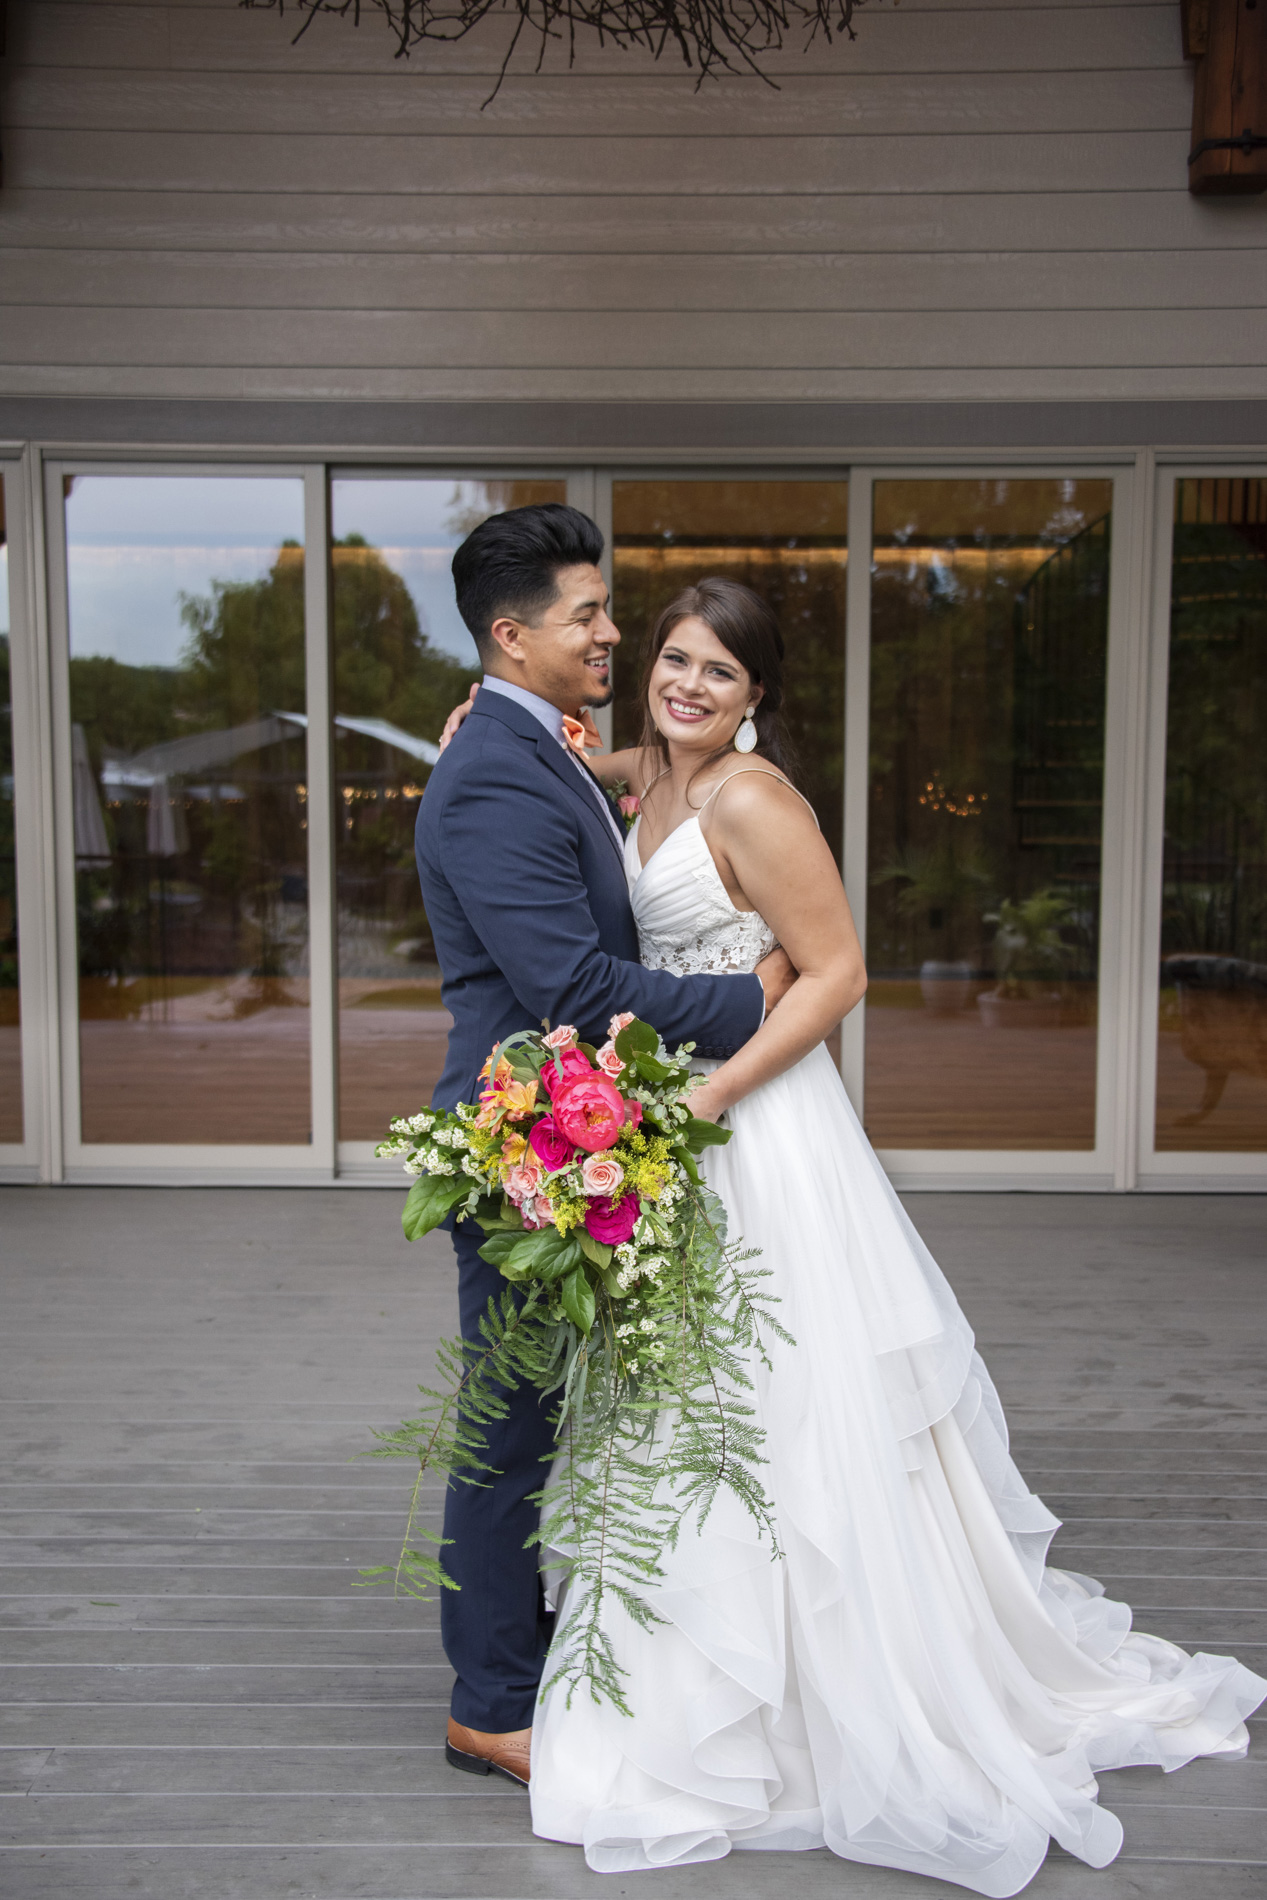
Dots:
pixel 520 856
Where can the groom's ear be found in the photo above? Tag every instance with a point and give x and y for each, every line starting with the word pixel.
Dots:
pixel 506 636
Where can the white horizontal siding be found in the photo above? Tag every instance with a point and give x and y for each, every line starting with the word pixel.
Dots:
pixel 805 281
pixel 968 201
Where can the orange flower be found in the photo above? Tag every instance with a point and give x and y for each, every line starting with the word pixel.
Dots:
pixel 510 1101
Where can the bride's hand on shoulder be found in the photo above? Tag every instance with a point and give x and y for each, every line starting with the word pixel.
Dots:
pixel 458 714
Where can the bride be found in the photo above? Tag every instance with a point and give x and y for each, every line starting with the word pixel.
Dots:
pixel 908 1683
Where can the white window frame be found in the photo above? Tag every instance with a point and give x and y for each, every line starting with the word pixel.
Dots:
pixel 1170 1171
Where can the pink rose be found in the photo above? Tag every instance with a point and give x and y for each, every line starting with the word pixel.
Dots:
pixel 601 1174
pixel 612 1222
pixel 548 1145
pixel 564 1037
pixel 522 1181
pixel 590 1112
pixel 618 1023
pixel 608 1061
pixel 629 805
pixel 574 1063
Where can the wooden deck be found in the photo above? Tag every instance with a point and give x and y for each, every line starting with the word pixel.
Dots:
pixel 198 1705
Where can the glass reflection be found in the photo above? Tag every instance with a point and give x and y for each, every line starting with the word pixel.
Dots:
pixel 10 1007
pixel 1212 1028
pixel 187 701
pixel 989 640
pixel 402 660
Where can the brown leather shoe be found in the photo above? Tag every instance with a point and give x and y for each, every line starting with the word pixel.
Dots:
pixel 478 1754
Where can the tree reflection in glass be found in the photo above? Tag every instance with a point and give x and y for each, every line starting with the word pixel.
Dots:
pixel 187 707
pixel 1212 1031
pixel 988 650
pixel 402 660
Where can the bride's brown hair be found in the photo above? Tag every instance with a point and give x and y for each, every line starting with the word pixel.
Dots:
pixel 747 628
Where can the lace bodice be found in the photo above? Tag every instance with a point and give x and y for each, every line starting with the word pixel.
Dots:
pixel 686 922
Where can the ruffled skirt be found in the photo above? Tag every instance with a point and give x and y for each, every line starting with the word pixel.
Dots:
pixel 909 1684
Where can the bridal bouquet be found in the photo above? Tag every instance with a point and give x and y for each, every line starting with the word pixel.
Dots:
pixel 622 1296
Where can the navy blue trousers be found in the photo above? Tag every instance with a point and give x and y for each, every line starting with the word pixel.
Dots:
pixel 495 1626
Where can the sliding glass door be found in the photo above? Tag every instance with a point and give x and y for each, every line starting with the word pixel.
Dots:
pixel 1205 1057
pixel 402 660
pixel 989 649
pixel 1040 769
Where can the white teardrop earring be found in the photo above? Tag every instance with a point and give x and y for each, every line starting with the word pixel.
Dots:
pixel 746 735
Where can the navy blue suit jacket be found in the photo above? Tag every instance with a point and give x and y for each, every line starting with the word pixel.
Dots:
pixel 525 891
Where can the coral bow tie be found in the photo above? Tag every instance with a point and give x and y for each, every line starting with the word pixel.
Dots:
pixel 581 733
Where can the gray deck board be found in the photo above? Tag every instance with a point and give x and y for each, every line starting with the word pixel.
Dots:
pixel 196 1701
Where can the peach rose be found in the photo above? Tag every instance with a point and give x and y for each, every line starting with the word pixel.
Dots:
pixel 618 1023
pixel 608 1061
pixel 564 1037
pixel 601 1174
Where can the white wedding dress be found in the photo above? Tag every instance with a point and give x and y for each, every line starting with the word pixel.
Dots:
pixel 908 1685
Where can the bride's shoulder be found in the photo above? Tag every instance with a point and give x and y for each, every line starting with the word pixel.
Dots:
pixel 755 804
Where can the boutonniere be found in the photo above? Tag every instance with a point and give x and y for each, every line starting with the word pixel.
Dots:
pixel 630 805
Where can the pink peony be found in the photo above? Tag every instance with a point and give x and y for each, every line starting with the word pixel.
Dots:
pixel 633 1112
pixel 612 1222
pixel 618 1023
pixel 602 1174
pixel 549 1146
pixel 608 1061
pixel 574 1063
pixel 590 1112
pixel 564 1037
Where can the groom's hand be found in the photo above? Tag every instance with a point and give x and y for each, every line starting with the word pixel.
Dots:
pixel 458 714
pixel 777 973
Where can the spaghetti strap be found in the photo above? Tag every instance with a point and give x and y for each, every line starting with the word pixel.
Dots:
pixel 758 771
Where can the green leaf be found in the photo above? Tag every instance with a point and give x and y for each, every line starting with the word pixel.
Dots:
pixel 497 1248
pixel 687 1159
pixel 430 1199
pixel 578 1299
pixel 545 1254
pixel 651 1069
pixel 596 1250
pixel 699 1134
pixel 636 1039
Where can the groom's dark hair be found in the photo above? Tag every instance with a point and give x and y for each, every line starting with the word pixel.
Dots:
pixel 510 563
